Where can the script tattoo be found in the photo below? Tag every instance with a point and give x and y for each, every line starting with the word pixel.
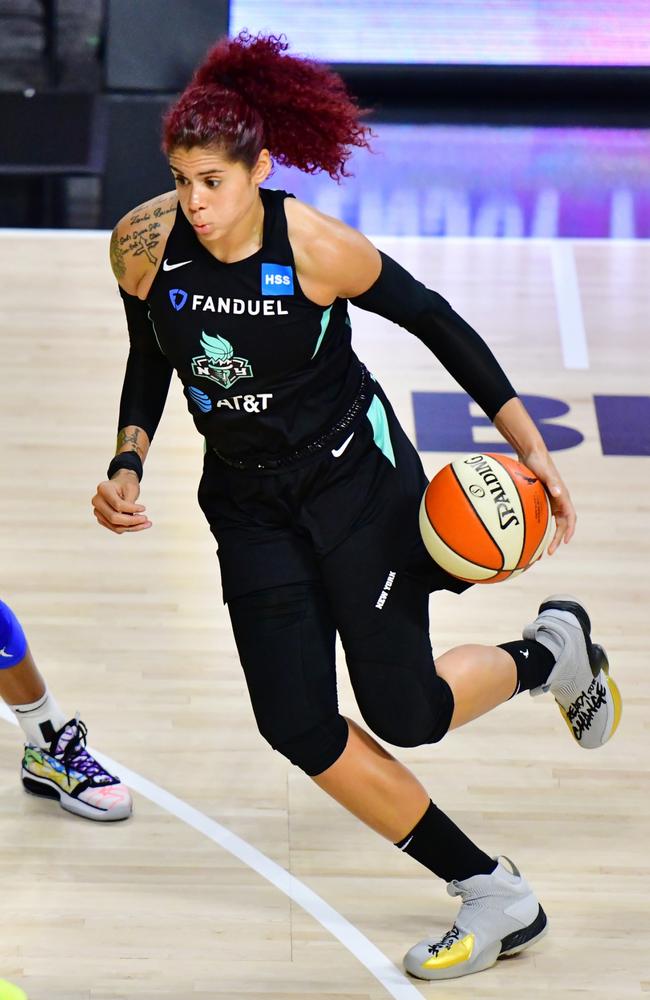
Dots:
pixel 117 257
pixel 139 217
pixel 142 241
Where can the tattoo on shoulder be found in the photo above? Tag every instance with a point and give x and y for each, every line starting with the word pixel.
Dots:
pixel 117 256
pixel 143 236
pixel 165 210
pixel 142 240
pixel 138 218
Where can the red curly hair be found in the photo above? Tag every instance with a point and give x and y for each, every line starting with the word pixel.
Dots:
pixel 248 95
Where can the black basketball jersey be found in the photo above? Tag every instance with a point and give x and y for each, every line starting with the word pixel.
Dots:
pixel 264 369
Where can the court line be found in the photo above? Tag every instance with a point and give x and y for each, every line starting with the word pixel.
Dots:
pixel 569 306
pixel 387 974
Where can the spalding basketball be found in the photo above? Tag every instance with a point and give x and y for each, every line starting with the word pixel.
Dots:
pixel 485 518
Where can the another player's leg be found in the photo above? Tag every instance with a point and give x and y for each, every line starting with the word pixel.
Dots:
pixel 56 763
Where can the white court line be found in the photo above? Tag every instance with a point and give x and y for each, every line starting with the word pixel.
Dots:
pixel 569 306
pixel 390 977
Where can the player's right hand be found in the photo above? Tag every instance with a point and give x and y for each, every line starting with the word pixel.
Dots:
pixel 115 507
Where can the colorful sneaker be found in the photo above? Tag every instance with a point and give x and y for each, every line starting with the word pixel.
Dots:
pixel 67 772
pixel 499 916
pixel 587 697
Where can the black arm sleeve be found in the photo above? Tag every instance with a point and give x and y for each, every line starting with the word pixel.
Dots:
pixel 148 372
pixel 398 296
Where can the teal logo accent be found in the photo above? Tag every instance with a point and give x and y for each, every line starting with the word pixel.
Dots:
pixel 218 362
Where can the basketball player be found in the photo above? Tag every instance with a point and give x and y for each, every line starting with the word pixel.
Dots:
pixel 56 763
pixel 311 487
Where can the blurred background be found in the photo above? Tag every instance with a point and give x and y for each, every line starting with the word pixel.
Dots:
pixel 493 117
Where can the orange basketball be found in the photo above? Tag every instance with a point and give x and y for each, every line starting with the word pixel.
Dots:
pixel 485 518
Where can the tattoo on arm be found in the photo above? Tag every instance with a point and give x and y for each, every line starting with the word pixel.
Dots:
pixel 117 256
pixel 129 436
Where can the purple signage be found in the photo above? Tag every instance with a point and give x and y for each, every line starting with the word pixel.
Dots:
pixel 506 32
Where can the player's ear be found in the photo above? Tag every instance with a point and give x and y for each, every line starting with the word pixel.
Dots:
pixel 262 168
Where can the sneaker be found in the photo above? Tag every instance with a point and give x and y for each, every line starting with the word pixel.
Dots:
pixel 67 772
pixel 499 916
pixel 587 697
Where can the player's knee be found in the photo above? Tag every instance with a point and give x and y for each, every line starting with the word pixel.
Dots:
pixel 315 749
pixel 401 710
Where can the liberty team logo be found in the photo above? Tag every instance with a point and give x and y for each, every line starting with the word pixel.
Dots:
pixel 219 363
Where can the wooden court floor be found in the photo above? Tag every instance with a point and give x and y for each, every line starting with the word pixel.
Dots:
pixel 193 898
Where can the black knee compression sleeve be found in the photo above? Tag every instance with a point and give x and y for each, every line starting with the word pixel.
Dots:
pixel 400 695
pixel 400 705
pixel 285 638
pixel 318 748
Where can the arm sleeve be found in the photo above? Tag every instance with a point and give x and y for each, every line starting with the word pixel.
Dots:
pixel 398 296
pixel 148 372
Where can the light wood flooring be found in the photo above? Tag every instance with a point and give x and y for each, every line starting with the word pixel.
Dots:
pixel 131 631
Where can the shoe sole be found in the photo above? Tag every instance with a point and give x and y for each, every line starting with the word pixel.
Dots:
pixel 513 943
pixel 46 789
pixel 598 661
pixel 510 945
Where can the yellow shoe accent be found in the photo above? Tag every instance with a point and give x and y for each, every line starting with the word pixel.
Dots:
pixel 618 703
pixel 459 952
pixel 616 699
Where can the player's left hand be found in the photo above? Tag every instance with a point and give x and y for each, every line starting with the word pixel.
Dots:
pixel 562 507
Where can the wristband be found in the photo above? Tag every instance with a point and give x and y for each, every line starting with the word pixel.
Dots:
pixel 126 460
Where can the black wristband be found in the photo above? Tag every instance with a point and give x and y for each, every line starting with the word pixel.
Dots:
pixel 126 460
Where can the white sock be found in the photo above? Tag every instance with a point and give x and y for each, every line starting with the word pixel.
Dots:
pixel 34 719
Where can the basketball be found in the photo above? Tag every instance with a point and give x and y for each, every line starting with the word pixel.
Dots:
pixel 485 518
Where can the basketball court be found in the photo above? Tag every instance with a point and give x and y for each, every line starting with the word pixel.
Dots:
pixel 236 876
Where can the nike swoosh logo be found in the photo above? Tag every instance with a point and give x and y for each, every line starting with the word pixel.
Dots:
pixel 337 452
pixel 6 655
pixel 172 267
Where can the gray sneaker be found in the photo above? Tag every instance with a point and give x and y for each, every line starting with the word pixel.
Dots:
pixel 587 697
pixel 499 916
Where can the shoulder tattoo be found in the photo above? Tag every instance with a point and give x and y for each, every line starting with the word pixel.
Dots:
pixel 117 256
